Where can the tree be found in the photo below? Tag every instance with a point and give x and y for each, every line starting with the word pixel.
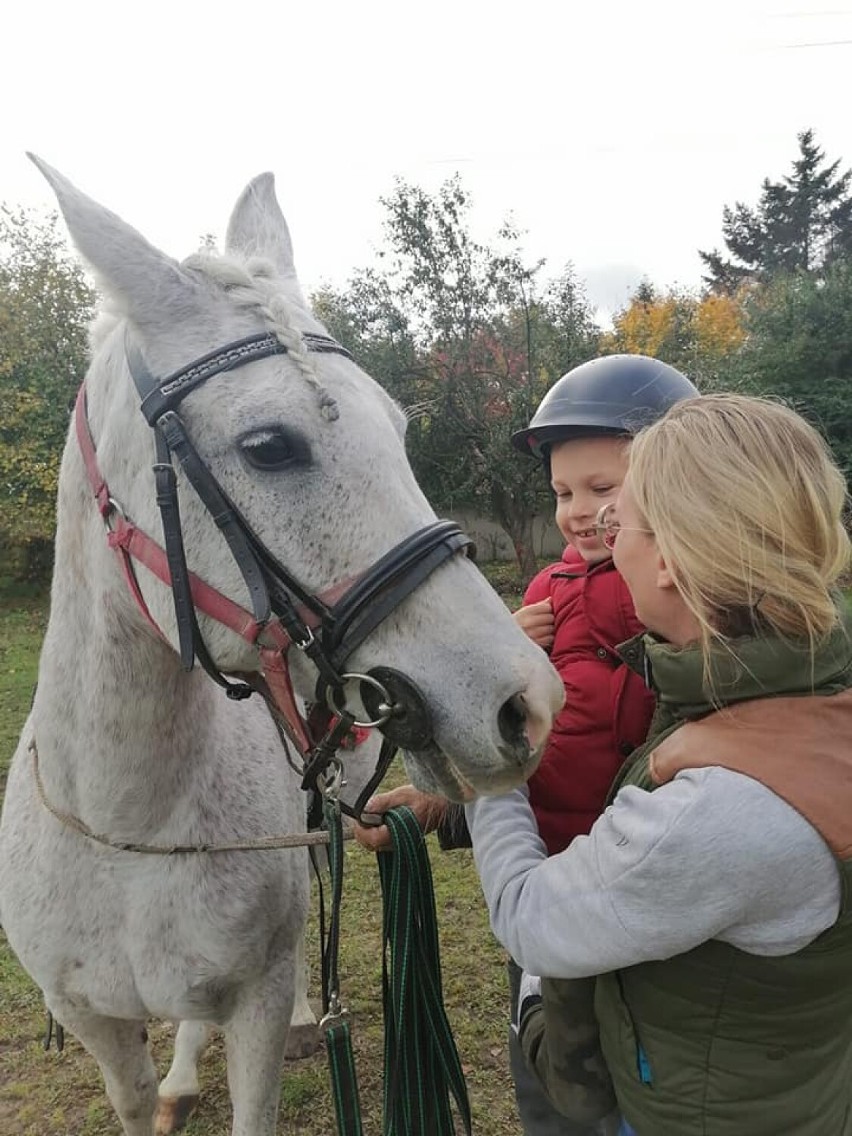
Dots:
pixel 45 307
pixel 647 326
pixel 801 224
pixel 799 347
pixel 699 335
pixel 468 340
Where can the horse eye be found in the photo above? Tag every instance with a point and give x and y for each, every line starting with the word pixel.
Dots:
pixel 274 449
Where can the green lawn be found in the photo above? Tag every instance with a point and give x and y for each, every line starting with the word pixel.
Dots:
pixel 22 623
pixel 48 1094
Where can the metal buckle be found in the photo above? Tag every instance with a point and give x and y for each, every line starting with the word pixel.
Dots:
pixel 114 507
pixel 331 780
pixel 336 1012
pixel 306 642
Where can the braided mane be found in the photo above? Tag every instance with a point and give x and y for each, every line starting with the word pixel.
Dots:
pixel 249 284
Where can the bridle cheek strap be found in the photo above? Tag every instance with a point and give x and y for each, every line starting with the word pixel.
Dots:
pixel 276 674
pixel 131 543
pixel 121 535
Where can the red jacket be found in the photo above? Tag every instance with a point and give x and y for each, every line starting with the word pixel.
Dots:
pixel 607 707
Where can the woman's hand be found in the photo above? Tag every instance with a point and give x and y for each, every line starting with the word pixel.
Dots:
pixel 536 622
pixel 427 808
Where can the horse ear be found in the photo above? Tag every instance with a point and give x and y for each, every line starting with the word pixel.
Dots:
pixel 257 228
pixel 144 281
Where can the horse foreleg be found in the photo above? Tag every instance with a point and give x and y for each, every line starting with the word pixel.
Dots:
pixel 178 1093
pixel 121 1050
pixel 255 1039
pixel 304 1038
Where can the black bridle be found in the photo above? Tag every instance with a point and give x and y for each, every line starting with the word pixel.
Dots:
pixel 326 632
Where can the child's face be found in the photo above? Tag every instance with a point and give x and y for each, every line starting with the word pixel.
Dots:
pixel 586 473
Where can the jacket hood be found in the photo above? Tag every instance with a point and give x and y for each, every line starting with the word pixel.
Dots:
pixel 747 668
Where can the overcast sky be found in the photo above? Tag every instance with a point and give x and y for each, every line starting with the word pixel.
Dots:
pixel 613 132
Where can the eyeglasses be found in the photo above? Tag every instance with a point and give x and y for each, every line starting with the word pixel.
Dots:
pixel 607 526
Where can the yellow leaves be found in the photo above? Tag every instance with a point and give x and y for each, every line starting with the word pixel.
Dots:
pixel 718 325
pixel 678 327
pixel 17 408
pixel 644 327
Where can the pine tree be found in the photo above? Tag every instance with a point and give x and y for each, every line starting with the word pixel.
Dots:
pixel 802 223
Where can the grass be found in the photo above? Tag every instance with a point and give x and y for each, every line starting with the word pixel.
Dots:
pixel 22 619
pixel 48 1094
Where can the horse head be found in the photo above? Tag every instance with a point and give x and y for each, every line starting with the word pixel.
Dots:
pixel 309 453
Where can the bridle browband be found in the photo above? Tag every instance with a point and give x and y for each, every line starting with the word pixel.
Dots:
pixel 326 627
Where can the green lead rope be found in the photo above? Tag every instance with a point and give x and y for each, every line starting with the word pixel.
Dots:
pixel 338 1038
pixel 344 1080
pixel 422 1066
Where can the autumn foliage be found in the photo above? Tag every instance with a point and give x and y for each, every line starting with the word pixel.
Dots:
pixel 686 330
pixel 468 336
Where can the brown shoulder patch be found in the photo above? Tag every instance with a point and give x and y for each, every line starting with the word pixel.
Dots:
pixel 799 748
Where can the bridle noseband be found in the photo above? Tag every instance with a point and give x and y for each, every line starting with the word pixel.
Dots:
pixel 326 627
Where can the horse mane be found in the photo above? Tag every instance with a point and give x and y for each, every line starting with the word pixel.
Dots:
pixel 252 284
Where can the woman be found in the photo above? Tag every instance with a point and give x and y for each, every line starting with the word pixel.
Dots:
pixel 577 609
pixel 713 898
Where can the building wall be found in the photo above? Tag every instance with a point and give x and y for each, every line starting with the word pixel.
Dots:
pixel 492 542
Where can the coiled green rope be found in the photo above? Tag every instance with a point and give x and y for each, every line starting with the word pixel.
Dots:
pixel 423 1073
pixel 422 1066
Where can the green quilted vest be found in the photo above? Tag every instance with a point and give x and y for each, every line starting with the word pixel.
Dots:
pixel 718 1042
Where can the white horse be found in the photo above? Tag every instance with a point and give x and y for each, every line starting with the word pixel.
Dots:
pixel 125 745
pixel 180 1089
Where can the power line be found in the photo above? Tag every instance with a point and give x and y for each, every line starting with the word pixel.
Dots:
pixel 823 43
pixel 809 15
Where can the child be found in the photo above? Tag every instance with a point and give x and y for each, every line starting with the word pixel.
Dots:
pixel 579 610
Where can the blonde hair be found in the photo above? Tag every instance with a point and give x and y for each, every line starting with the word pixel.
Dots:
pixel 746 503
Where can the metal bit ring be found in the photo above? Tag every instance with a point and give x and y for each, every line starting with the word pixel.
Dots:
pixel 385 707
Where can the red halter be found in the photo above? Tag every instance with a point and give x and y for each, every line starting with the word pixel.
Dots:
pixel 271 640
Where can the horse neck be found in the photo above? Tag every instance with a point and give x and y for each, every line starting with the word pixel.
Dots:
pixel 113 706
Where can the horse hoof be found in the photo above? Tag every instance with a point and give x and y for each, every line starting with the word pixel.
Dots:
pixel 173 1113
pixel 302 1041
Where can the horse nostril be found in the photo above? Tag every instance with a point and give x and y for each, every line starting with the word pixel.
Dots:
pixel 512 719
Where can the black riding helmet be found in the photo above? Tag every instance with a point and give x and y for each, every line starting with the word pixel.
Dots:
pixel 616 394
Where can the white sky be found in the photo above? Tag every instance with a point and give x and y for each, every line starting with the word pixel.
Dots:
pixel 612 130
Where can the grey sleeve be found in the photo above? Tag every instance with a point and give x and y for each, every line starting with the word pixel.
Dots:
pixel 712 855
